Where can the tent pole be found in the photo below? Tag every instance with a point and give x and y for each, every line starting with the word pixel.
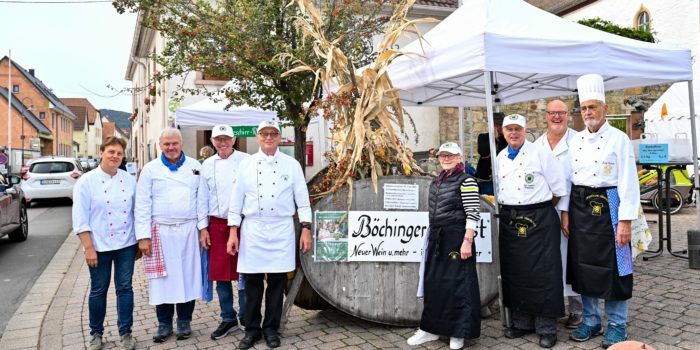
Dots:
pixel 461 128
pixel 471 135
pixel 694 137
pixel 492 133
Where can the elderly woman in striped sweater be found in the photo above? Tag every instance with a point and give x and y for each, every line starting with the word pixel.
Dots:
pixel 450 284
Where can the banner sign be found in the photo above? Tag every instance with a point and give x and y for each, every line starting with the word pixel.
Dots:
pixel 389 236
pixel 245 131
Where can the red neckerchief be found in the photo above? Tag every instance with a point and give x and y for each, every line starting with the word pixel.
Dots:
pixel 444 174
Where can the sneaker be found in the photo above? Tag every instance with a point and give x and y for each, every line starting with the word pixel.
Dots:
pixel 95 342
pixel 184 331
pixel 224 329
pixel 613 335
pixel 421 337
pixel 163 332
pixel 126 342
pixel 456 343
pixel 585 332
pixel 574 321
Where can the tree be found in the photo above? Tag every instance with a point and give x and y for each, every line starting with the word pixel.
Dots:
pixel 240 40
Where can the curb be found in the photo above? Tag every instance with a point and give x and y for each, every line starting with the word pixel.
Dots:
pixel 24 328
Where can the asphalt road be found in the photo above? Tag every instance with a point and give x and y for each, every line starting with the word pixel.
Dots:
pixel 22 263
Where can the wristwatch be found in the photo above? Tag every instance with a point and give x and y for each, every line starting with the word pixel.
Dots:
pixel 306 225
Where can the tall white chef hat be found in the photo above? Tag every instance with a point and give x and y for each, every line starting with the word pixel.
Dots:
pixel 591 87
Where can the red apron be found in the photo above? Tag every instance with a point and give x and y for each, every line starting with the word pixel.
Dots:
pixel 222 266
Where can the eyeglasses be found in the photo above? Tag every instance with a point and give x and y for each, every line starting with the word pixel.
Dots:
pixel 447 156
pixel 268 134
pixel 589 108
pixel 559 113
pixel 223 139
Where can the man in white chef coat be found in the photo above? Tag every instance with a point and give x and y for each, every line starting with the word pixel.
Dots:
pixel 269 189
pixel 557 140
pixel 216 182
pixel 529 184
pixel 166 229
pixel 604 201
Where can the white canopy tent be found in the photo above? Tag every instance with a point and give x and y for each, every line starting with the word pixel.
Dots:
pixel 508 51
pixel 677 104
pixel 207 113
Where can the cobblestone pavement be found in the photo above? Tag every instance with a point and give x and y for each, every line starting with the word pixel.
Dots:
pixel 665 312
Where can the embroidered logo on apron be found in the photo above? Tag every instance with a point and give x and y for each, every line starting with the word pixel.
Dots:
pixel 596 202
pixel 522 223
pixel 453 255
pixel 529 178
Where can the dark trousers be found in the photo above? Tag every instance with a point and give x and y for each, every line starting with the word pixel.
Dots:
pixel 541 325
pixel 164 312
pixel 254 288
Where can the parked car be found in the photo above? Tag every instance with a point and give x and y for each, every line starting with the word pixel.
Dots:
pixel 92 164
pixel 13 209
pixel 84 163
pixel 51 177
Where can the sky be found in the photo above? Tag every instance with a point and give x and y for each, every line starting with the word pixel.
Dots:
pixel 76 49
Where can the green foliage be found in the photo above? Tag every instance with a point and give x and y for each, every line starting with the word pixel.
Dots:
pixel 627 32
pixel 238 40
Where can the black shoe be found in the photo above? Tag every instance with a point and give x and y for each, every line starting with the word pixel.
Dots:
pixel 163 332
pixel 273 341
pixel 512 332
pixel 224 329
pixel 548 340
pixel 184 331
pixel 249 340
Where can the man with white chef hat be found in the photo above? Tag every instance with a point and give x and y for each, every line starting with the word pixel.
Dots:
pixel 270 188
pixel 604 201
pixel 557 140
pixel 215 184
pixel 529 184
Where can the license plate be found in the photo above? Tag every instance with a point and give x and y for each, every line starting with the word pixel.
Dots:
pixel 50 182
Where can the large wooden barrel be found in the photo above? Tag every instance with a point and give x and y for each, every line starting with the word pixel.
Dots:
pixel 384 292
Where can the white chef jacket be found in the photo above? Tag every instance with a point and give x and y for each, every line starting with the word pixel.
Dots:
pixel 104 206
pixel 606 159
pixel 562 156
pixel 532 177
pixel 267 192
pixel 215 185
pixel 162 194
pixel 169 200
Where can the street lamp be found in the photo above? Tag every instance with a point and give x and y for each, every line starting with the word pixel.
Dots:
pixel 31 107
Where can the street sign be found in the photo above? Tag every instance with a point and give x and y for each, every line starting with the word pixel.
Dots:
pixel 3 158
pixel 245 131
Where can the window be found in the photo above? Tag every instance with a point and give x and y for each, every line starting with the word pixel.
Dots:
pixel 51 167
pixel 42 115
pixel 15 89
pixel 643 20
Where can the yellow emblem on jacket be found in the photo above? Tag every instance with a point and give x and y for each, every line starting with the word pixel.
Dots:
pixel 454 255
pixel 597 208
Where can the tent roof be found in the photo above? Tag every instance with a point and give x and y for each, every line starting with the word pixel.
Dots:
pixel 676 100
pixel 207 113
pixel 531 54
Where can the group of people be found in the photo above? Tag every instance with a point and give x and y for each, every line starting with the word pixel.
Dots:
pixel 566 205
pixel 184 220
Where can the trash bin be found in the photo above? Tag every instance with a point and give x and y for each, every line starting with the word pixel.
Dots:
pixel 694 249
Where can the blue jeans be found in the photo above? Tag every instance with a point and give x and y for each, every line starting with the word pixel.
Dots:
pixel 100 277
pixel 164 312
pixel 615 310
pixel 224 289
pixel 241 297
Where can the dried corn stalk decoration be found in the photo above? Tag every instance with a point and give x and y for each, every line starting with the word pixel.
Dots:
pixel 363 107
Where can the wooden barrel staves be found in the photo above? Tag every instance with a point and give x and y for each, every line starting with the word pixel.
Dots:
pixel 381 291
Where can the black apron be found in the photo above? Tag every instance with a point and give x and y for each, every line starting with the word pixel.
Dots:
pixel 592 263
pixel 529 238
pixel 451 306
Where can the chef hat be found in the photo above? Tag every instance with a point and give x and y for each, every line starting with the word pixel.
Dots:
pixel 451 148
pixel 268 124
pixel 516 119
pixel 591 87
pixel 221 130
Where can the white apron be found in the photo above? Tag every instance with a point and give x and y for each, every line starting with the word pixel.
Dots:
pixel 180 244
pixel 267 245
